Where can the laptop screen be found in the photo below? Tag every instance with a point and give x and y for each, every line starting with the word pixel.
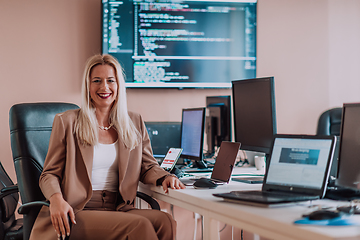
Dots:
pixel 299 162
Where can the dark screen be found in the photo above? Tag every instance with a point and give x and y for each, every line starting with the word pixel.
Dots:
pixel 163 135
pixel 192 133
pixel 218 121
pixel 349 147
pixel 254 113
pixel 181 43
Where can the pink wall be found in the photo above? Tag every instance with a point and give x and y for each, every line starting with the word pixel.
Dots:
pixel 344 48
pixel 293 46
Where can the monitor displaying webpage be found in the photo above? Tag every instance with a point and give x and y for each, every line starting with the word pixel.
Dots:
pixel 299 162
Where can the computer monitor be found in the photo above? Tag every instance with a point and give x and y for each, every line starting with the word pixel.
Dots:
pixel 218 121
pixel 349 148
pixel 192 134
pixel 163 135
pixel 254 113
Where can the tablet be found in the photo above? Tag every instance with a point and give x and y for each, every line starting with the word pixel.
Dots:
pixel 171 158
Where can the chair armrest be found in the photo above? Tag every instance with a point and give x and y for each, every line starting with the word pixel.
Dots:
pixel 26 207
pixel 151 201
pixel 8 190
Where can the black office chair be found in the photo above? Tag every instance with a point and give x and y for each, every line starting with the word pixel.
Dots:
pixel 30 129
pixel 329 123
pixel 10 228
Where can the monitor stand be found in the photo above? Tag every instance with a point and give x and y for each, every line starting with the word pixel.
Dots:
pixel 200 164
pixel 197 167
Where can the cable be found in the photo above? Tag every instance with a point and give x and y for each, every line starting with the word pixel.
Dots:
pixel 223 228
pixel 242 163
pixel 202 229
pixel 172 210
pixel 242 159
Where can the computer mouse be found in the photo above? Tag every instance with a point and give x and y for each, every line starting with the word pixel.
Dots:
pixel 323 215
pixel 204 183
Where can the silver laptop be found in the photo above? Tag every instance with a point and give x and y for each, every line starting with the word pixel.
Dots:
pixel 298 170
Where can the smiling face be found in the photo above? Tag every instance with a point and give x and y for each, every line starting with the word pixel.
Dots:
pixel 103 86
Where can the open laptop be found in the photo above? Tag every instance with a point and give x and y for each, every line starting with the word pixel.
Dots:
pixel 224 164
pixel 297 170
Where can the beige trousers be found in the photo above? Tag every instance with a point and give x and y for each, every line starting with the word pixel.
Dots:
pixel 100 220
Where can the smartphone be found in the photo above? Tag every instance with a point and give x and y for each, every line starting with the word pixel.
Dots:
pixel 171 158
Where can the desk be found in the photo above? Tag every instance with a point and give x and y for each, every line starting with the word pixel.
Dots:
pixel 273 223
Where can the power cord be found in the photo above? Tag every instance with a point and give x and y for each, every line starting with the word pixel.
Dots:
pixel 223 228
pixel 241 159
pixel 242 163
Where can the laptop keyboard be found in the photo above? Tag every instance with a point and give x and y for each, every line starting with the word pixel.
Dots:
pixel 267 195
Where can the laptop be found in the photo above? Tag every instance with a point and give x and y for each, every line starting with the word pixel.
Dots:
pixel 298 170
pixel 224 164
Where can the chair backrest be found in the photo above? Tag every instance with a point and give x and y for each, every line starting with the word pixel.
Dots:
pixel 30 129
pixel 8 204
pixel 329 122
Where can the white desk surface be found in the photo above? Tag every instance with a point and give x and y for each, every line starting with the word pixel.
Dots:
pixel 274 223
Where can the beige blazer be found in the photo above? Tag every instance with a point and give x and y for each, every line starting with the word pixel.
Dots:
pixel 68 167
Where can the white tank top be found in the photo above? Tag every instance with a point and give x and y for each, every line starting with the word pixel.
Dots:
pixel 105 168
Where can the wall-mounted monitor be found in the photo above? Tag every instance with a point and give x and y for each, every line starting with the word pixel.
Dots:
pixel 254 113
pixel 181 44
pixel 218 121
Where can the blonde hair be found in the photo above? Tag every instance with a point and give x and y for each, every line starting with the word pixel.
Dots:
pixel 86 127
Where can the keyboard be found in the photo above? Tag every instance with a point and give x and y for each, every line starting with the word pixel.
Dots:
pixel 197 170
pixel 271 195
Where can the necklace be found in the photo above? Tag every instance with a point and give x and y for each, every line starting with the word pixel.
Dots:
pixel 105 128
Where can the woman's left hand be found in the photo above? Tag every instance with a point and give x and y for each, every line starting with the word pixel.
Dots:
pixel 172 182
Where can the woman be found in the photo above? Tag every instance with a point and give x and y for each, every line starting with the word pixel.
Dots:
pixel 96 157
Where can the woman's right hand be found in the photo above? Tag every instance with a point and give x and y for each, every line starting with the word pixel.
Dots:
pixel 59 212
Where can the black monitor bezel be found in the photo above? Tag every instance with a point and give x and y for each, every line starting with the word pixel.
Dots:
pixel 200 155
pixel 226 101
pixel 339 182
pixel 166 131
pixel 244 145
